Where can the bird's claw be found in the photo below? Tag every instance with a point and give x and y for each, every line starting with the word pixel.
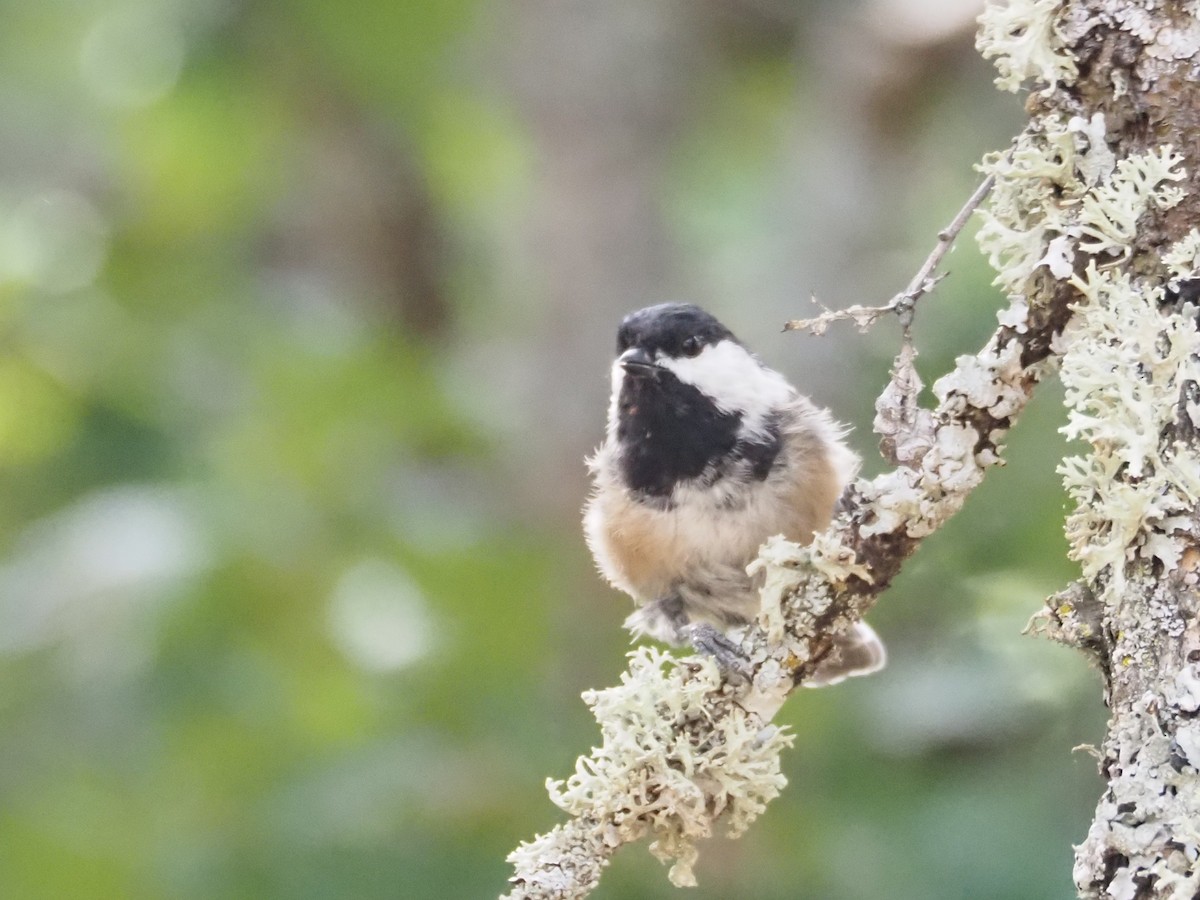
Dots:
pixel 728 656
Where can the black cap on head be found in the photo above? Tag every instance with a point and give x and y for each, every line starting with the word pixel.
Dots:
pixel 675 329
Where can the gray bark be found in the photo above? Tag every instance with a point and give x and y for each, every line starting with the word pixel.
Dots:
pixel 1135 528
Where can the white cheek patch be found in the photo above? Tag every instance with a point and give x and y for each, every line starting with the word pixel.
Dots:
pixel 735 381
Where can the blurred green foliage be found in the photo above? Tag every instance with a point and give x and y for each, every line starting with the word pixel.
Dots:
pixel 278 617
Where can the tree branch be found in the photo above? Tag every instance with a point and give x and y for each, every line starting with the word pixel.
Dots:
pixel 904 303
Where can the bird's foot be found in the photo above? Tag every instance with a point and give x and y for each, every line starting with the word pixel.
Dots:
pixel 705 639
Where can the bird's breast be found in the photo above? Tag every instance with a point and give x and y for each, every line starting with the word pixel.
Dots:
pixel 644 547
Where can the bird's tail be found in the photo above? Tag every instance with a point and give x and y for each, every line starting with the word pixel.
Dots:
pixel 857 652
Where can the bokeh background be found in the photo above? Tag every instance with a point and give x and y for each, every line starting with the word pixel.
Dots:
pixel 307 309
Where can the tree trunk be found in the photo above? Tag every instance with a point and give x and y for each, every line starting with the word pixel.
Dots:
pixel 1123 73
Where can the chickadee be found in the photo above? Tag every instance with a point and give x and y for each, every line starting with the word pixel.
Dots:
pixel 707 454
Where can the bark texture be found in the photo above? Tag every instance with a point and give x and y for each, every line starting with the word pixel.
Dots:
pixel 1135 612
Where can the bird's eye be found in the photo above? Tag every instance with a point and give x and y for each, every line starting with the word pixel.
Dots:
pixel 692 346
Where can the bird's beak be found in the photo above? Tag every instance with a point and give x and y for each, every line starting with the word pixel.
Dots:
pixel 637 361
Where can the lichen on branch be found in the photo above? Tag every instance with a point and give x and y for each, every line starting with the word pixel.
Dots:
pixel 1105 220
pixel 1024 38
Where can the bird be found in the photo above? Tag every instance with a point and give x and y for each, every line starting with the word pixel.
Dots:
pixel 707 453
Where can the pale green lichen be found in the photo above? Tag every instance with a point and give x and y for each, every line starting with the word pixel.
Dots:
pixel 676 754
pixel 986 381
pixel 896 499
pixel 1037 182
pixel 1109 213
pixel 778 568
pixel 1061 191
pixel 565 862
pixel 953 455
pixel 834 560
pixel 1066 210
pixel 789 593
pixel 1124 367
pixel 1124 371
pixel 1183 258
pixel 1024 37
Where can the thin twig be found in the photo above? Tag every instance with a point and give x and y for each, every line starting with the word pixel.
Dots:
pixel 904 303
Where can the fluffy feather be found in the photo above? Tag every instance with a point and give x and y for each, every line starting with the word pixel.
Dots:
pixel 707 454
